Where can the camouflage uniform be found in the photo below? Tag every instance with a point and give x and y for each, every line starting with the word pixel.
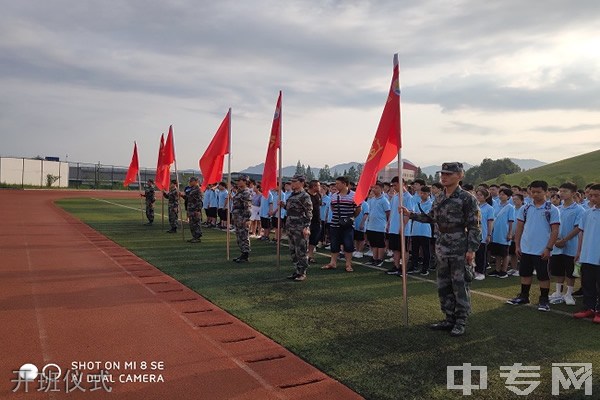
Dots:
pixel 150 199
pixel 242 201
pixel 195 206
pixel 299 209
pixel 457 225
pixel 173 207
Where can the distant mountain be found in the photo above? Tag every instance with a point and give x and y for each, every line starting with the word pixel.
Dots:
pixel 291 169
pixel 527 163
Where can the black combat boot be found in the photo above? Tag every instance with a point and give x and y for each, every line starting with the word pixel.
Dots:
pixel 242 258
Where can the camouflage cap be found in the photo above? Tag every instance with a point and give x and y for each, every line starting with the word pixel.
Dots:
pixel 299 178
pixel 243 178
pixel 452 167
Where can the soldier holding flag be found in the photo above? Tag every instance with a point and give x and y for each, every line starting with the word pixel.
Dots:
pixel 173 197
pixel 456 215
pixel 242 201
pixel 194 210
pixel 150 197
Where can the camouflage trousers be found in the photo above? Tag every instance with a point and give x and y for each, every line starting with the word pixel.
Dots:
pixel 454 280
pixel 150 212
pixel 195 224
pixel 173 216
pixel 298 248
pixel 241 233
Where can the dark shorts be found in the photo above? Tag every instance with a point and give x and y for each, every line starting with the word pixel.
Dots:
pixel 562 265
pixel 359 236
pixel 222 212
pixel 265 223
pixel 341 236
pixel 315 234
pixel 211 212
pixel 529 262
pixel 274 221
pixel 498 250
pixel 394 241
pixel 376 239
pixel 512 249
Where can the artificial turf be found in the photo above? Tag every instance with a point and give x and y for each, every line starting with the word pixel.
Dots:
pixel 349 324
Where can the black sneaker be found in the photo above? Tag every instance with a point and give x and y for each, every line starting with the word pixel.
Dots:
pixel 457 330
pixel 501 275
pixel 578 293
pixel 412 271
pixel 393 271
pixel 194 240
pixel 377 263
pixel 424 272
pixel 544 304
pixel 292 276
pixel 172 231
pixel 494 273
pixel 443 325
pixel 519 300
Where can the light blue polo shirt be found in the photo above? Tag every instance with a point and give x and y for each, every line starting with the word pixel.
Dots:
pixel 514 227
pixel 222 198
pixel 378 206
pixel 214 200
pixel 265 202
pixel 364 213
pixel 209 195
pixel 275 195
pixel 569 219
pixel 487 214
pixel 420 228
pixel 505 215
pixel 536 230
pixel 323 210
pixel 395 214
pixel 590 225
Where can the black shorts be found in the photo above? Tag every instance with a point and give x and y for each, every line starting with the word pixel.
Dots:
pixel 265 223
pixel 315 234
pixel 512 249
pixel 562 265
pixel 529 262
pixel 498 249
pixel 359 236
pixel 393 241
pixel 376 239
pixel 222 213
pixel 274 221
pixel 211 212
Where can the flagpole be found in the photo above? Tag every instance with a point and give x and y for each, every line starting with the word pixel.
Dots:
pixel 280 186
pixel 401 202
pixel 139 185
pixel 228 185
pixel 162 203
pixel 177 179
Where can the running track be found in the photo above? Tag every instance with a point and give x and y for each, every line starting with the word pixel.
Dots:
pixel 68 294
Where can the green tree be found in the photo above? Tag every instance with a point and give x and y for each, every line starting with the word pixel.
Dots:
pixel 579 181
pixel 491 169
pixel 420 174
pixel 300 169
pixel 436 178
pixel 309 174
pixel 525 181
pixel 430 179
pixel 353 174
pixel 325 174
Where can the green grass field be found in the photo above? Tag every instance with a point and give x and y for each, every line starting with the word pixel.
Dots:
pixel 348 324
pixel 582 169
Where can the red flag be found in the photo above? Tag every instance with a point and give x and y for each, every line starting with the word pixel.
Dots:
pixel 163 175
pixel 169 150
pixel 211 162
pixel 134 167
pixel 158 177
pixel 387 140
pixel 269 177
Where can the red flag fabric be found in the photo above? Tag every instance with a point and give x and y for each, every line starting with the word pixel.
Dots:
pixel 269 177
pixel 211 162
pixel 158 177
pixel 134 167
pixel 387 140
pixel 163 172
pixel 169 150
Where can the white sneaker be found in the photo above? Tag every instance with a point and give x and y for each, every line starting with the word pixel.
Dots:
pixel 389 253
pixel 369 253
pixel 556 298
pixel 357 254
pixel 389 259
pixel 479 277
pixel 569 300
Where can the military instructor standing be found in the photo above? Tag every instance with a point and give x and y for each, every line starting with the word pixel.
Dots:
pixel 457 219
pixel 242 200
pixel 299 209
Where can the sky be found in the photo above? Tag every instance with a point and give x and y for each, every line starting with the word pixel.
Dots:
pixel 83 79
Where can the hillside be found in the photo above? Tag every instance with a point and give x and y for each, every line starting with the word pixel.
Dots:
pixel 581 169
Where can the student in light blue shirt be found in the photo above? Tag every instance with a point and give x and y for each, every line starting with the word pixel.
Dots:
pixel 537 231
pixel 588 254
pixel 266 209
pixel 502 233
pixel 421 233
pixel 324 211
pixel 222 205
pixel 360 226
pixel 487 224
pixel 377 222
pixel 513 262
pixel 562 261
pixel 394 237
